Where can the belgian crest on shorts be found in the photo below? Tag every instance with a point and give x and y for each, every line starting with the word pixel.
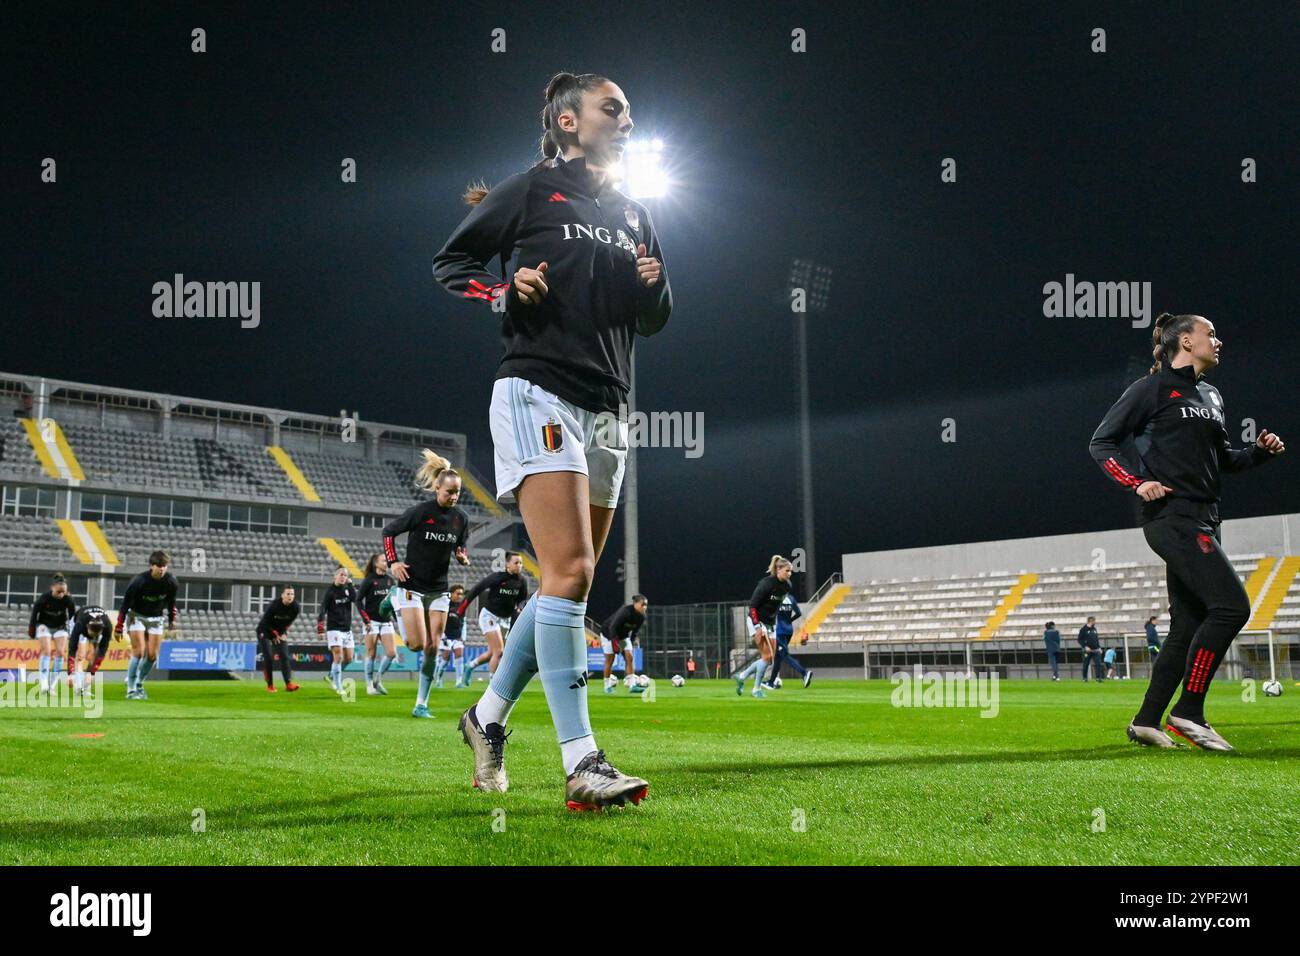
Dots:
pixel 552 436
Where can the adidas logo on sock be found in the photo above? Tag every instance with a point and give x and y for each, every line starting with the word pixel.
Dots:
pixel 580 682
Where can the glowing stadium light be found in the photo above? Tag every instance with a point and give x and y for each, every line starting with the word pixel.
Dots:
pixel 643 174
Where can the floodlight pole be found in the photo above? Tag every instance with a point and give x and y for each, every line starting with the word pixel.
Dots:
pixel 805 456
pixel 631 544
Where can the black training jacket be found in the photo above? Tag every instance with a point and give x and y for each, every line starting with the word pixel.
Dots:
pixel 765 600
pixel 1180 435
pixel 501 592
pixel 577 342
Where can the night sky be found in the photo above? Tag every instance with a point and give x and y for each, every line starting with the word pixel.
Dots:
pixel 1118 166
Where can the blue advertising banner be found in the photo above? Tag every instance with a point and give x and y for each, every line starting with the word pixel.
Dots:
pixel 207 655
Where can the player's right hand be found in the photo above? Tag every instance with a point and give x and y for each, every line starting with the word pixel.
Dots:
pixel 530 284
pixel 1152 490
pixel 398 570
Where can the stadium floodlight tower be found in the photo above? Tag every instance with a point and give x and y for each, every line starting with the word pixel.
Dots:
pixel 814 279
pixel 643 177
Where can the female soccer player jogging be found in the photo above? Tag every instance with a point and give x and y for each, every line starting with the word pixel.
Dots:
pixel 585 277
pixel 761 621
pixel 1177 423
pixel 52 614
pixel 374 587
pixel 148 608
pixel 500 596
pixel 334 622
pixel 435 531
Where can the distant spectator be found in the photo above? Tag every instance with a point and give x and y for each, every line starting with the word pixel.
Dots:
pixel 1108 659
pixel 1052 638
pixel 1153 637
pixel 1091 646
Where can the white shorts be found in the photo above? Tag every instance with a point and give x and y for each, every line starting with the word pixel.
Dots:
pixel 379 628
pixel 753 628
pixel 153 625
pixel 607 646
pixel 453 646
pixel 340 639
pixel 487 621
pixel 403 598
pixel 535 431
pixel 43 632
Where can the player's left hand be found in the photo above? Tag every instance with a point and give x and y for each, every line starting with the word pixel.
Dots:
pixel 1270 443
pixel 462 556
pixel 648 269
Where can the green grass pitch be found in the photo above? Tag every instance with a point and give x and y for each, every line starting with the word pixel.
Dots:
pixel 308 778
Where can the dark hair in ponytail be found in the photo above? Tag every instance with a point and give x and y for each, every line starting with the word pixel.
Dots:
pixel 1167 335
pixel 563 93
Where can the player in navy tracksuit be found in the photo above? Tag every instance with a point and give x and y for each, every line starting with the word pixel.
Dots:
pixel 786 615
pixel 1153 637
pixel 1179 432
pixel 581 276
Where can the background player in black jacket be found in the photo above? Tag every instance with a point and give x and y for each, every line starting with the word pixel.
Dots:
pixel 761 621
pixel 335 622
pixel 148 608
pixel 91 633
pixel 616 636
pixel 500 596
pixel 582 276
pixel 436 530
pixel 271 630
pixel 1179 432
pixel 375 585
pixel 452 646
pixel 52 614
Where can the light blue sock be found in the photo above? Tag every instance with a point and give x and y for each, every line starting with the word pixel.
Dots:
pixel 426 682
pixel 439 668
pixel 760 670
pixel 131 668
pixel 146 665
pixel 561 650
pixel 336 675
pixel 370 670
pixel 45 668
pixel 516 668
pixel 385 662
pixel 749 671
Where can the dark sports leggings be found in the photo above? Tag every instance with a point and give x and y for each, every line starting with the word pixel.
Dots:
pixel 1207 607
pixel 268 648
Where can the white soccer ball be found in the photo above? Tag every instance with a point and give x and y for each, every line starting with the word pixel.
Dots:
pixel 1272 688
pixel 629 680
pixel 679 680
pixel 642 681
pixel 776 682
